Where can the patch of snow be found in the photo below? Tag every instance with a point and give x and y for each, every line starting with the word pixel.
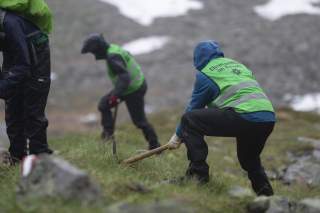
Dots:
pixel 53 76
pixel 145 11
pixel 149 109
pixel 276 9
pixel 89 118
pixel 146 45
pixel 308 102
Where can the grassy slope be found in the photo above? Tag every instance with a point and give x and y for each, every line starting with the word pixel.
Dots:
pixel 84 151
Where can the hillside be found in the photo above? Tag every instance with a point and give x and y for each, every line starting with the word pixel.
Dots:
pixel 282 53
pixel 116 180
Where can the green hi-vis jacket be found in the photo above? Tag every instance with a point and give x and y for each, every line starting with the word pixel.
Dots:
pixel 36 11
pixel 136 75
pixel 238 87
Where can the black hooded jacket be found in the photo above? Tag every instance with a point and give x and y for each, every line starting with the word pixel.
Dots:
pixel 16 55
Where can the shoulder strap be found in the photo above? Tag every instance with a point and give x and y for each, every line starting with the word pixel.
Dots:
pixel 2 15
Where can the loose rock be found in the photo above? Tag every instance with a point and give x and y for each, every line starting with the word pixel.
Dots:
pixel 308 205
pixel 240 192
pixel 305 170
pixel 54 177
pixel 274 204
pixel 166 206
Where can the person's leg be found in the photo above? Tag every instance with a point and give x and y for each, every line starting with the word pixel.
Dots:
pixel 135 105
pixel 205 122
pixel 106 117
pixel 249 148
pixel 15 126
pixel 36 95
pixel 36 91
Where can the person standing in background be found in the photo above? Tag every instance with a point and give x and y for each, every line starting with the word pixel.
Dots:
pixel 129 86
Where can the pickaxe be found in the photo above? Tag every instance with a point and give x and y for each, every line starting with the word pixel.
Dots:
pixel 114 143
pixel 146 154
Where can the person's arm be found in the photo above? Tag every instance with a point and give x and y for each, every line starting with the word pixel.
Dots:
pixel 118 66
pixel 204 91
pixel 17 43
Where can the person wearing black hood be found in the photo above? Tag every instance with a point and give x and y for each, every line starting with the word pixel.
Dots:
pixel 227 101
pixel 24 84
pixel 129 86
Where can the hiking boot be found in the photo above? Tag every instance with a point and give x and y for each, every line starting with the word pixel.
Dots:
pixel 199 171
pixel 184 179
pixel 5 158
pixel 260 183
pixel 201 179
pixel 105 136
pixel 14 161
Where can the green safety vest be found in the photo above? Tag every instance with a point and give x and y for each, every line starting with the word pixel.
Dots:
pixel 36 11
pixel 238 87
pixel 136 75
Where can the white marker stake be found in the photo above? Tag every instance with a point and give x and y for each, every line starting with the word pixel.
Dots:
pixel 28 164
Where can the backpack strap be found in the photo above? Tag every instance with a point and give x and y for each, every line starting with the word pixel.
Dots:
pixel 2 15
pixel 2 33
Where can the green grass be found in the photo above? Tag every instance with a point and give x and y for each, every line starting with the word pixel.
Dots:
pixel 85 152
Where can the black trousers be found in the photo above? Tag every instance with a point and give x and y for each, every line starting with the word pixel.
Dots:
pixel 251 138
pixel 25 109
pixel 135 106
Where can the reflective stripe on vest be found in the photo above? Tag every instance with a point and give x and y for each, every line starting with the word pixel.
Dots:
pixel 231 91
pixel 246 98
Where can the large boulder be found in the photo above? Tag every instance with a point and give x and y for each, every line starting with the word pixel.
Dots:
pixel 240 192
pixel 305 170
pixel 51 176
pixel 274 204
pixel 278 204
pixel 310 141
pixel 166 206
pixel 308 205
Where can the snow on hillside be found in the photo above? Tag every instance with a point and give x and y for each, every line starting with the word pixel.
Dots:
pixel 145 11
pixel 276 9
pixel 146 45
pixel 308 102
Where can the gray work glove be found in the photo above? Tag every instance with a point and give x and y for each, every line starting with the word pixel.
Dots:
pixel 174 142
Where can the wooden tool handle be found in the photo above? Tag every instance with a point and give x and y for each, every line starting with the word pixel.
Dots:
pixel 145 154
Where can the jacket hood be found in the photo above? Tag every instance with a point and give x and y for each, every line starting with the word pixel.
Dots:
pixel 204 52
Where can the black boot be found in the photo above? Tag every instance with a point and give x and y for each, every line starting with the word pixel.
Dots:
pixel 198 171
pixel 105 136
pixel 260 183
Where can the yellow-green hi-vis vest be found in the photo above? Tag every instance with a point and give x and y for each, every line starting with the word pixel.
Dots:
pixel 238 87
pixel 136 75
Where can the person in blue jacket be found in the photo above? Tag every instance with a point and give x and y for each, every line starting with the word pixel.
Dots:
pixel 24 84
pixel 251 129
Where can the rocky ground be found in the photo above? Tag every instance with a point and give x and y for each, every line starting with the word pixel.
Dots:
pixel 283 54
pixel 291 158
